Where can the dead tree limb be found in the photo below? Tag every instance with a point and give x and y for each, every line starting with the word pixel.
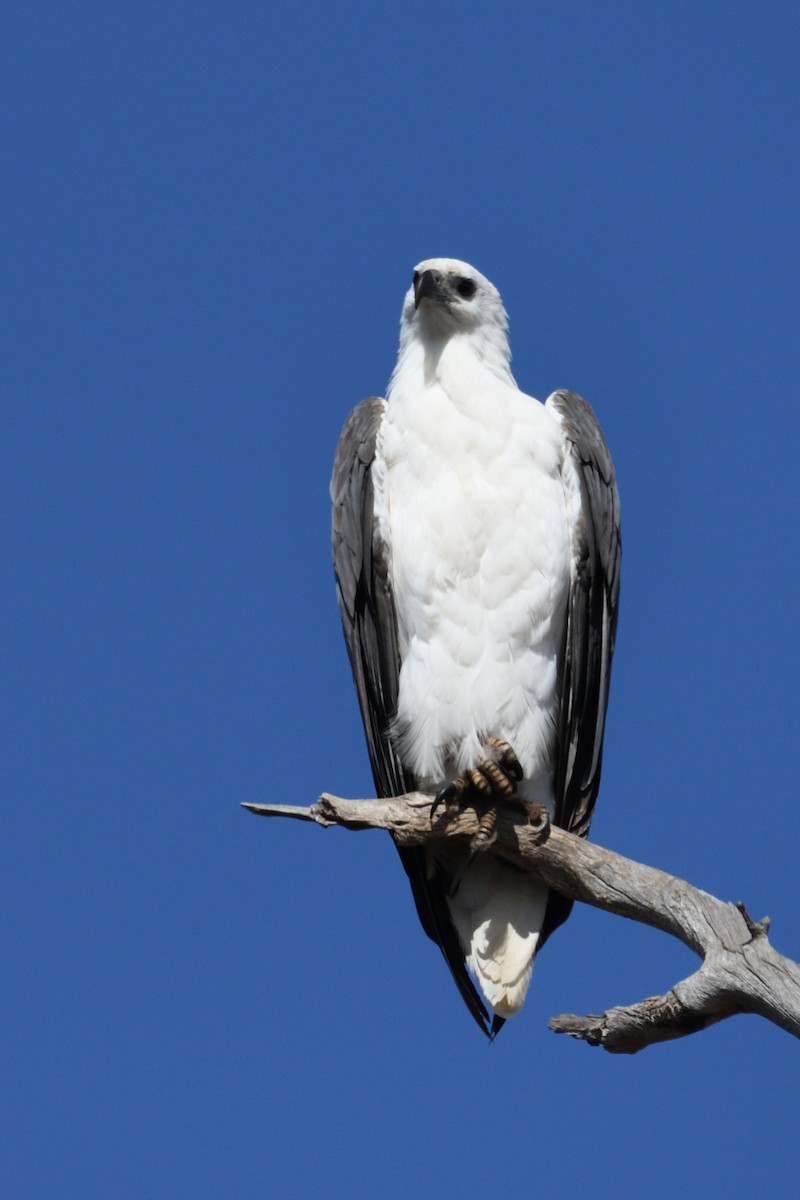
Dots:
pixel 740 971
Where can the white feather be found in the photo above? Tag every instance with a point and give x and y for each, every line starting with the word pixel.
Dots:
pixel 470 500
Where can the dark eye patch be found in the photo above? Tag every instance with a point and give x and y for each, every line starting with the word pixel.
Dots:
pixel 466 288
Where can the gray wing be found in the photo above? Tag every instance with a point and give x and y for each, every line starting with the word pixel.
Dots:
pixel 364 592
pixel 366 604
pixel 591 626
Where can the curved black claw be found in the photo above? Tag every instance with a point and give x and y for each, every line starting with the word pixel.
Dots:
pixel 442 797
pixel 486 835
pixel 506 758
pixel 529 808
pixel 449 795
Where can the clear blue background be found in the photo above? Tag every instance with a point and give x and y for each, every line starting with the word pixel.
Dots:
pixel 210 217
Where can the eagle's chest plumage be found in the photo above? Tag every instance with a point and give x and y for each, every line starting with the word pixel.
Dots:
pixel 470 502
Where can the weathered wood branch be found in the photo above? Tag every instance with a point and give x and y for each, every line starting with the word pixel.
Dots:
pixel 740 971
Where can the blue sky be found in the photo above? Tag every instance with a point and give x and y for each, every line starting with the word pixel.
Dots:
pixel 211 218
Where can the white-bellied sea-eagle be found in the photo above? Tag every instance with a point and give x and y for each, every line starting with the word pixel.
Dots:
pixel 476 548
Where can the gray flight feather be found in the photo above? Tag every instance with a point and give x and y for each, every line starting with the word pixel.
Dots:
pixel 591 627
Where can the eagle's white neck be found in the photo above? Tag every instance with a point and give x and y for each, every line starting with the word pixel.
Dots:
pixel 449 358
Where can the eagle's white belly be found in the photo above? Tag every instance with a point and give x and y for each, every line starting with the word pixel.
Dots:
pixel 471 504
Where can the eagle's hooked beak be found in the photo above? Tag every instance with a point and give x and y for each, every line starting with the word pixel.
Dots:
pixel 429 285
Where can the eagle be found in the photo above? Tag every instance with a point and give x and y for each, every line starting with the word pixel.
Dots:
pixel 476 547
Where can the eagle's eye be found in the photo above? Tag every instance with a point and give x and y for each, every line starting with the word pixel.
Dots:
pixel 466 288
pixel 415 279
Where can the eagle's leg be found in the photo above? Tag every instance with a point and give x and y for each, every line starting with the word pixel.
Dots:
pixel 493 780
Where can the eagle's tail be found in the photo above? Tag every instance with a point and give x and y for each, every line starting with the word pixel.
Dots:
pixel 498 914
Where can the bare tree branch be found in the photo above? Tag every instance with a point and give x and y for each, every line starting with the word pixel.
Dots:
pixel 740 971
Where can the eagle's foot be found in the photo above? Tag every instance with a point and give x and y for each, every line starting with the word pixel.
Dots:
pixel 494 779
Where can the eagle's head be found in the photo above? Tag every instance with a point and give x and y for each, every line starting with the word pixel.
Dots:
pixel 451 314
pixel 448 296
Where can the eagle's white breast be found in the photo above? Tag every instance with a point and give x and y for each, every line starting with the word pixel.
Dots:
pixel 470 501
